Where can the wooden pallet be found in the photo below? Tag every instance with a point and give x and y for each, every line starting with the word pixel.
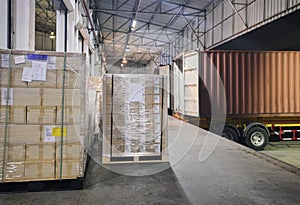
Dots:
pixel 134 159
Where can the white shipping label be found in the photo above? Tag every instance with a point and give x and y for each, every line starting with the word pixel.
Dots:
pixel 156 109
pixel 156 89
pixel 156 118
pixel 5 60
pixel 136 91
pixel 48 134
pixel 7 97
pixel 157 128
pixel 156 99
pixel 39 70
pixel 27 74
pixel 51 62
pixel 19 59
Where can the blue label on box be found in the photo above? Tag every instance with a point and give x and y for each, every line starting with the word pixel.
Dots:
pixel 37 57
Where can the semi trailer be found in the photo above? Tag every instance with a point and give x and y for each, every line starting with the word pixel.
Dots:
pixel 258 92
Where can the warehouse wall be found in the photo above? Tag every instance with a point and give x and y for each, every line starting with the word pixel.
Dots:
pixel 43 42
pixel 225 21
pixel 228 20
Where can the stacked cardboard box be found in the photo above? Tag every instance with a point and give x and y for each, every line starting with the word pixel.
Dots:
pixel 134 117
pixel 41 120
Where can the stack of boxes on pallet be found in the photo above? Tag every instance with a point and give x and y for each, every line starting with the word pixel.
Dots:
pixel 134 118
pixel 40 116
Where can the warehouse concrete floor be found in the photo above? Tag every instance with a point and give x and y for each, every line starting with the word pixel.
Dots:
pixel 204 170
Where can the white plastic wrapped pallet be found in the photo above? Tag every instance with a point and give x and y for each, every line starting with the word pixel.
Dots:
pixel 134 118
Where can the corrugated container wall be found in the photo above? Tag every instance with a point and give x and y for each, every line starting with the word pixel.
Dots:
pixel 256 83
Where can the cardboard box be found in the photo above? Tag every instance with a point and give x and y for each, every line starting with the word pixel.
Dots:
pixel 14 153
pixel 21 134
pixel 71 115
pixel 15 78
pixel 13 171
pixel 72 79
pixel 53 97
pixel 40 170
pixel 15 115
pixel 74 61
pixel 71 151
pixel 71 169
pixel 41 115
pixel 26 96
pixel 40 152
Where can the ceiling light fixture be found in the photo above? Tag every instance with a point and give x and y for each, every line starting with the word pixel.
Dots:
pixel 127 48
pixel 124 61
pixel 52 35
pixel 133 25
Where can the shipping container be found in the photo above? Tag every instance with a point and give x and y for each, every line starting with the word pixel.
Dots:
pixel 255 89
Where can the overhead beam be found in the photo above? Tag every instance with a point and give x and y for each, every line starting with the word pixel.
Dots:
pixel 142 21
pixel 185 5
pixel 168 13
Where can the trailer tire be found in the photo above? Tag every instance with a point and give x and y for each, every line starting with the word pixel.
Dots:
pixel 230 134
pixel 257 138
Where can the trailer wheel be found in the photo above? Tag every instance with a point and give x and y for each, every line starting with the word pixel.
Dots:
pixel 230 134
pixel 257 138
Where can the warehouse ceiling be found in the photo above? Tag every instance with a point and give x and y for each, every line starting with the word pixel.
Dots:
pixel 158 22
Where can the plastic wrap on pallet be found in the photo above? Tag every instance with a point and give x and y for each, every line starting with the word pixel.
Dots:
pixel 43 124
pixel 134 115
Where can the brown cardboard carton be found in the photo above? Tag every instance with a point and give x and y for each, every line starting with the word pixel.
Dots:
pixel 71 151
pixel 41 115
pixel 39 170
pixel 72 115
pixel 40 152
pixel 71 78
pixel 26 96
pixel 53 97
pixel 13 171
pixel 71 169
pixel 21 134
pixel 14 153
pixel 15 114
pixel 15 78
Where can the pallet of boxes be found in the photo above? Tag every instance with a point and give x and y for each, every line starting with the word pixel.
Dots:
pixel 134 118
pixel 42 123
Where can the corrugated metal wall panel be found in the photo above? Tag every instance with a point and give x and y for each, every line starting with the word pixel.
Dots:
pixel 218 15
pixel 239 25
pixel 227 28
pixel 218 35
pixel 255 14
pixel 228 10
pixel 256 83
pixel 293 2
